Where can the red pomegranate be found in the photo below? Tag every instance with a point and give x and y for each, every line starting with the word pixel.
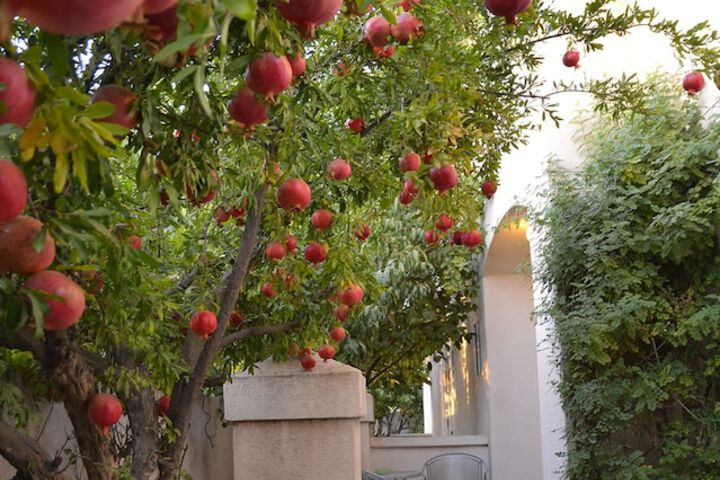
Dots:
pixel 693 82
pixel 13 187
pixel 162 406
pixel 237 212
pixel 315 253
pixel 203 323
pixel 298 65
pixel 104 411
pixel 357 125
pixel 269 75
pixel 472 239
pixel 443 223
pixel 322 219
pixel 267 290
pixel 209 187
pixel 294 195
pixel 406 28
pixel 571 59
pixel 77 17
pixel 405 198
pixel 162 26
pixel 362 233
pixel 17 96
pixel 63 313
pixel 291 243
pixel 275 251
pixel 237 318
pixel 308 361
pixel 443 177
pixel 247 110
pixel 428 156
pixel 339 169
pixel 507 8
pixel 489 188
pixel 337 334
pixel 408 5
pixel 457 237
pixel 340 70
pixel 135 242
pixel 385 52
pixel 307 14
pixel 125 113
pixel 341 312
pixel 377 31
pixel 221 216
pixel 326 352
pixel 156 6
pixel 431 237
pixel 410 162
pixel 352 295
pixel 17 253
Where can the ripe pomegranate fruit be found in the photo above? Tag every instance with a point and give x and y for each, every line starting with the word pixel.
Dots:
pixel 357 125
pixel 341 312
pixel 337 334
pixel 77 17
pixel 352 295
pixel 221 216
pixel 385 52
pixel 410 187
pixel 237 212
pixel 135 242
pixel 377 31
pixel 431 237
pixel 307 14
pixel 162 406
pixel 457 237
pixel 326 352
pixel 571 59
pixel 203 324
pixel 340 70
pixel 13 187
pixel 405 198
pixel 308 361
pixel 489 188
pixel 443 177
pixel 408 5
pixel 294 195
pixel 237 318
pixel 693 82
pixel 291 243
pixel 322 219
pixel 298 64
pixel 339 169
pixel 443 223
pixel 156 6
pixel 62 313
pixel 269 75
pixel 410 162
pixel 17 253
pixel 267 290
pixel 247 110
pixel 472 239
pixel 104 411
pixel 275 251
pixel 507 8
pixel 209 187
pixel 18 95
pixel 315 253
pixel 162 26
pixel 125 113
pixel 362 233
pixel 406 28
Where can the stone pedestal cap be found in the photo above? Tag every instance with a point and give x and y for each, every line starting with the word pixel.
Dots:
pixel 285 391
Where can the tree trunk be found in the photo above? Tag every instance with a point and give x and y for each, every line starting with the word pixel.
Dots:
pixel 144 425
pixel 30 460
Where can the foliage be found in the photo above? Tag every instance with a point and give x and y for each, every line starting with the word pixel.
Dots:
pixel 632 257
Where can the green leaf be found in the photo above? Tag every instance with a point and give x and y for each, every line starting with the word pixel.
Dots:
pixel 99 110
pixel 242 9
pixel 181 45
pixel 60 176
pixel 57 52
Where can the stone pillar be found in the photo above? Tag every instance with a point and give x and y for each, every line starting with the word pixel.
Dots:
pixel 367 430
pixel 289 423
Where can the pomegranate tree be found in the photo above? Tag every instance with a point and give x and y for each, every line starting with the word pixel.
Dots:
pixel 13 188
pixel 68 306
pixel 104 411
pixel 17 97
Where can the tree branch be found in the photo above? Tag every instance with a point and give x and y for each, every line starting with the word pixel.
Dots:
pixel 26 342
pixel 27 456
pixel 256 332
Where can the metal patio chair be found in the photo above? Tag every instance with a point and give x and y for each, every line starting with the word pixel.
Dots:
pixel 455 466
pixel 370 476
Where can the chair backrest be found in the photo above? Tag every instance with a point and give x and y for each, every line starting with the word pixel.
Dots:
pixel 370 476
pixel 455 466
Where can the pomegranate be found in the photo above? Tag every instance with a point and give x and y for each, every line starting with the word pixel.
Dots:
pixel 294 195
pixel 13 187
pixel 326 352
pixel 406 28
pixel 377 31
pixel 104 411
pixel 355 7
pixel 77 17
pixel 472 239
pixel 408 5
pixel 405 198
pixel 315 253
pixel 385 52
pixel 337 334
pixel 410 162
pixel 247 110
pixel 410 187
pixel 291 243
pixel 298 65
pixel 17 98
pixel 162 406
pixel 164 198
pixel 135 242
pixel 156 6
pixel 221 216
pixel 507 8
pixel 341 312
pixel 362 233
pixel 322 219
pixel 571 59
pixel 308 361
pixel 457 237
pixel 428 156
pixel 267 290
pixel 66 311
pixel 269 75
pixel 237 212
pixel 339 169
pixel 17 253
pixel 209 187
pixel 203 324
pixel 340 70
pixel 352 295
pixel 237 318
pixel 444 223
pixel 431 237
pixel 357 125
pixel 693 82
pixel 443 177
pixel 162 26
pixel 489 188
pixel 307 14
pixel 275 251
pixel 123 99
